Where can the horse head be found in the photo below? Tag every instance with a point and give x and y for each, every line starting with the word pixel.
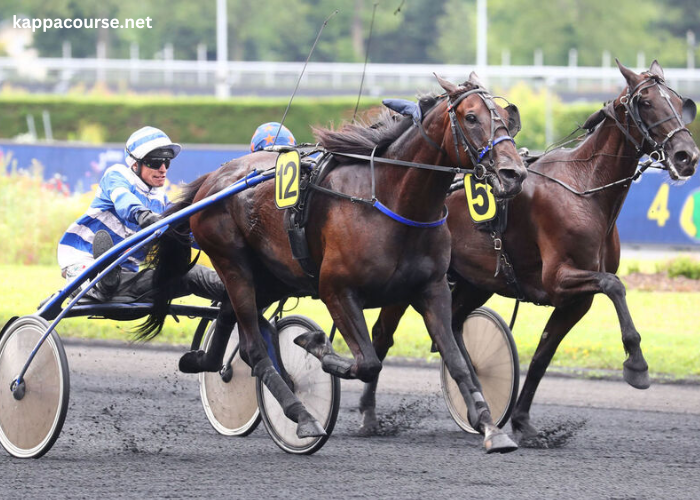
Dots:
pixel 485 132
pixel 661 117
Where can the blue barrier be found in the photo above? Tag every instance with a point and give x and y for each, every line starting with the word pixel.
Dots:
pixel 660 211
pixel 657 211
pixel 77 168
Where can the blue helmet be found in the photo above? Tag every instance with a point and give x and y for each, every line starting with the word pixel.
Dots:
pixel 265 136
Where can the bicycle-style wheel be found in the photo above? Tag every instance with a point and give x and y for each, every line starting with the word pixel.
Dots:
pixel 229 398
pixel 31 422
pixel 318 391
pixel 492 350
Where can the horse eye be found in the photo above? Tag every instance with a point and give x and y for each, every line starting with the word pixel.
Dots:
pixel 646 104
pixel 471 118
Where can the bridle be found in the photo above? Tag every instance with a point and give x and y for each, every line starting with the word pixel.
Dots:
pixel 657 156
pixel 460 137
pixel 630 101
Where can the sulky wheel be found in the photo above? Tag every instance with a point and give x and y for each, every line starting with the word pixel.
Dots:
pixel 31 418
pixel 318 391
pixel 228 396
pixel 491 348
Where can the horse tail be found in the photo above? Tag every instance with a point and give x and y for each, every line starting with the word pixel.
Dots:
pixel 169 259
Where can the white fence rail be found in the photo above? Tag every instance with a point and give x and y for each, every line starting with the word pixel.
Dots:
pixel 59 75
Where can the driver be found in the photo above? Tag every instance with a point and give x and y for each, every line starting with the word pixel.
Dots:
pixel 269 134
pixel 129 198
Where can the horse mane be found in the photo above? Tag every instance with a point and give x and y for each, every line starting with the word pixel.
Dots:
pixel 362 137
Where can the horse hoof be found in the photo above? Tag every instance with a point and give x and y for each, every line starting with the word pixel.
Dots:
pixel 499 443
pixel 637 379
pixel 370 424
pixel 190 362
pixel 310 429
pixel 522 428
pixel 195 362
pixel 314 342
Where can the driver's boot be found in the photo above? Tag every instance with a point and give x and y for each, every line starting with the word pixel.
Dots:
pixel 110 282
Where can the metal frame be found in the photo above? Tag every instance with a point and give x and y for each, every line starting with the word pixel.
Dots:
pixel 51 309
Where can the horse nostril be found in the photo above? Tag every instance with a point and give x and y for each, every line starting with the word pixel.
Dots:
pixel 508 174
pixel 681 157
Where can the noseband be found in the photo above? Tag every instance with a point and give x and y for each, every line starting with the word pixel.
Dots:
pixel 459 136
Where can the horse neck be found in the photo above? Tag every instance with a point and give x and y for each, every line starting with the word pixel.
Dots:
pixel 415 193
pixel 613 158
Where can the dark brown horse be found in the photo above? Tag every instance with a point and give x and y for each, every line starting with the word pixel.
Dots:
pixel 565 247
pixel 364 258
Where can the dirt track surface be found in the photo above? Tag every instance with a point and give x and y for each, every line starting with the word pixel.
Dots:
pixel 136 429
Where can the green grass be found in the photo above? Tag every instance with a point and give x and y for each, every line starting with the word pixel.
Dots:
pixel 668 323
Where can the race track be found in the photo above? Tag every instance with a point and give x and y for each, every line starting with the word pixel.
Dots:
pixel 136 429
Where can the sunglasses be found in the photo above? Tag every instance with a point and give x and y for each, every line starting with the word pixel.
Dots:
pixel 155 163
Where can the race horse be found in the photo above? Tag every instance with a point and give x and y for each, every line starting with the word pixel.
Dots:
pixel 561 236
pixel 364 257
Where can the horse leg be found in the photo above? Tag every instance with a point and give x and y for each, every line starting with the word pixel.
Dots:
pixel 346 312
pixel 635 369
pixel 434 305
pixel 382 340
pixel 559 324
pixel 212 360
pixel 466 298
pixel 254 352
pixel 576 282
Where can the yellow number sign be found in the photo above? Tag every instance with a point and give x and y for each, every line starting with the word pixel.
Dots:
pixel 287 179
pixel 480 199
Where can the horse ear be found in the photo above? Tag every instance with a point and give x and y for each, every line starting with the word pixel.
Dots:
pixel 514 125
pixel 473 79
pixel 689 111
pixel 449 87
pixel 594 120
pixel 656 69
pixel 629 75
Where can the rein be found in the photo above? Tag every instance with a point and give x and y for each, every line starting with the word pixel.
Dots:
pixel 642 167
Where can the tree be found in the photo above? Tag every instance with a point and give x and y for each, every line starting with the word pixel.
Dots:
pixel 415 35
pixel 456 33
pixel 590 26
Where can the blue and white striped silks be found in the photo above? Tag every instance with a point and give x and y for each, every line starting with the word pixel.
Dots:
pixel 120 196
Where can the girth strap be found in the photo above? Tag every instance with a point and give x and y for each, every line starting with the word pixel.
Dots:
pixel 504 265
pixel 403 220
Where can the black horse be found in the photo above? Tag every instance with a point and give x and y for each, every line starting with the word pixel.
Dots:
pixel 364 257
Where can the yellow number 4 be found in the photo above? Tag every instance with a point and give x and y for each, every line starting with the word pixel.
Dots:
pixel 658 210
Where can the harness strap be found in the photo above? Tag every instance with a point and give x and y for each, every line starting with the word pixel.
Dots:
pixel 503 264
pixel 423 133
pixel 391 161
pixel 403 220
pixel 382 208
pixel 338 194
pixel 642 167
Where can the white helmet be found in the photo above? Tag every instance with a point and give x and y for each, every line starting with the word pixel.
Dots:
pixel 146 140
